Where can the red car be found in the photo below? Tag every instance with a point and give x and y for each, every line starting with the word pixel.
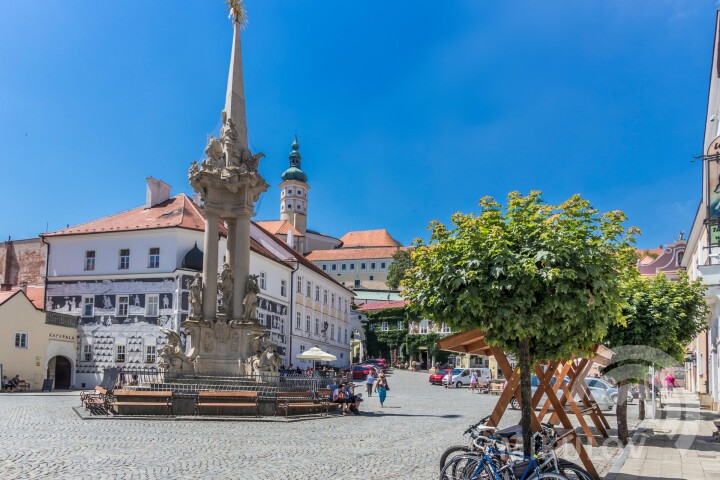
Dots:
pixel 359 372
pixel 437 377
pixel 378 361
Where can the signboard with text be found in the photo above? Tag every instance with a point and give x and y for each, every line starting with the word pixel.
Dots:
pixel 714 234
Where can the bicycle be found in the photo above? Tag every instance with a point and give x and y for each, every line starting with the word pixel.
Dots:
pixel 488 465
pixel 544 441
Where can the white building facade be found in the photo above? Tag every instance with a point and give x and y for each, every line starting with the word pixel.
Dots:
pixel 702 255
pixel 128 275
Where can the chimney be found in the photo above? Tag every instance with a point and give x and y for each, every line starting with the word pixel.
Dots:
pixel 290 238
pixel 156 192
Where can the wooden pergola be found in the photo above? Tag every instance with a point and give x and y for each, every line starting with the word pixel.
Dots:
pixel 562 399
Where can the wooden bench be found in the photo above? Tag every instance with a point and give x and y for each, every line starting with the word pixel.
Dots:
pixel 23 386
pixel 96 401
pixel 496 388
pixel 143 398
pixel 300 400
pixel 325 395
pixel 218 400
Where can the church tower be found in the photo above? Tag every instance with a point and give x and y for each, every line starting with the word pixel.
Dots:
pixel 294 192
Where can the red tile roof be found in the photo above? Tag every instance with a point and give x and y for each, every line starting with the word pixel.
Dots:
pixel 650 255
pixel 178 212
pixel 34 294
pixel 302 258
pixel 352 254
pixel 37 296
pixel 368 307
pixel 369 238
pixel 6 295
pixel 279 227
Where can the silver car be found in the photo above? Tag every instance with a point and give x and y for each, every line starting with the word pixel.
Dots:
pixel 602 399
pixel 610 390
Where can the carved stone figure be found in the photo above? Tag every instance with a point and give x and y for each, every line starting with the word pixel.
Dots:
pixel 252 290
pixel 196 297
pixel 225 286
pixel 172 356
pixel 261 342
pixel 215 155
pixel 267 361
pixel 193 170
pixel 249 162
pixel 228 135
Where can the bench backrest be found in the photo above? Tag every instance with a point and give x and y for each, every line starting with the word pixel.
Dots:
pixel 295 395
pixel 101 390
pixel 227 394
pixel 143 393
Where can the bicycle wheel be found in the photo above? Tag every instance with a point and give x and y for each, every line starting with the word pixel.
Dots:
pixel 465 467
pixel 572 471
pixel 451 452
pixel 549 475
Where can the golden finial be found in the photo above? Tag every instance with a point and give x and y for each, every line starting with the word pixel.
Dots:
pixel 237 12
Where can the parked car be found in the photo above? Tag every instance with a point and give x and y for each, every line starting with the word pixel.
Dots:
pixel 359 372
pixel 461 376
pixel 602 399
pixel 437 377
pixel 610 390
pixel 378 361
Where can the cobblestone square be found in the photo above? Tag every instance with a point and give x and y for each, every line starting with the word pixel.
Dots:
pixel 43 437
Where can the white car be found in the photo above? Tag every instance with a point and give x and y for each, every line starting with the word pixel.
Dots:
pixel 461 376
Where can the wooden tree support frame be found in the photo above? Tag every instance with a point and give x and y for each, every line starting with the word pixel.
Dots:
pixel 561 398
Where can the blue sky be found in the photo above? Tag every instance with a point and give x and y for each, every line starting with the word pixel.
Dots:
pixel 406 111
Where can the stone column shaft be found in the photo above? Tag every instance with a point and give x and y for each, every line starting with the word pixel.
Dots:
pixel 241 265
pixel 210 266
pixel 230 252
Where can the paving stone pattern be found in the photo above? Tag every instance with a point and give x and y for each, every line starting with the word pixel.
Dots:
pixel 42 437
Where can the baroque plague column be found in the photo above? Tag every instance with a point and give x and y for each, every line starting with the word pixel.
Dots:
pixel 228 338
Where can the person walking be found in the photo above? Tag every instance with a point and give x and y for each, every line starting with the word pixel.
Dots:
pixel 370 383
pixel 670 384
pixel 381 387
pixel 473 381
pixel 448 378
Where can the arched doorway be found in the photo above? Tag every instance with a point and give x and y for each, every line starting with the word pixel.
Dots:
pixel 60 369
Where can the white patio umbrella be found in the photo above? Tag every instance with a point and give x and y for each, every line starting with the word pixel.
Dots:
pixel 316 354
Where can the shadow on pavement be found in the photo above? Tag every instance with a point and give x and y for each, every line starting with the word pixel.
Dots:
pixel 626 476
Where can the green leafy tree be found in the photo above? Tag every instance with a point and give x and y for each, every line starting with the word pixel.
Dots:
pixel 661 317
pixel 402 262
pixel 541 281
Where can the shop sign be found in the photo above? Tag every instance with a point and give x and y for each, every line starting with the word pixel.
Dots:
pixel 62 337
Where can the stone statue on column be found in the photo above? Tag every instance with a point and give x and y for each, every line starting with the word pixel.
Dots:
pixel 250 301
pixel 196 297
pixel 225 285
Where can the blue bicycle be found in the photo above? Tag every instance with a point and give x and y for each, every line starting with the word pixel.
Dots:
pixel 491 463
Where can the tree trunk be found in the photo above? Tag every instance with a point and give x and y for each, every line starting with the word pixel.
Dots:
pixel 622 412
pixel 525 395
pixel 641 400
